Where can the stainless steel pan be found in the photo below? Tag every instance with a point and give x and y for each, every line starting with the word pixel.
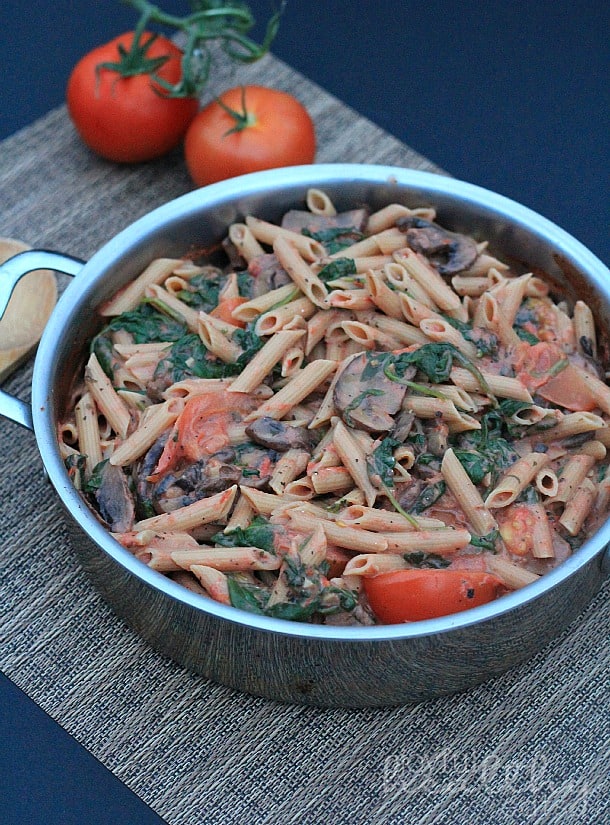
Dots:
pixel 289 661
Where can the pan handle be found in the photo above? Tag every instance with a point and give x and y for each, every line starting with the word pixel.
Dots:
pixel 11 272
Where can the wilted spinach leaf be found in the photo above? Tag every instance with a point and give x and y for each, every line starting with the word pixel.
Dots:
pixel 420 559
pixel 339 268
pixel 428 496
pixel 259 533
pixel 381 463
pixel 203 292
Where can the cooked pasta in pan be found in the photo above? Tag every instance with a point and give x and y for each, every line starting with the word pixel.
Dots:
pixel 355 417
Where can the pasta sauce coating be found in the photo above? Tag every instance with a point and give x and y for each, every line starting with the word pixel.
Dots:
pixel 358 417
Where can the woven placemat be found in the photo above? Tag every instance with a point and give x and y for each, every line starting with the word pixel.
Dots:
pixel 529 747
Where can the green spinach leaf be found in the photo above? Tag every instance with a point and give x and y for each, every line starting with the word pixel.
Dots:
pixel 259 533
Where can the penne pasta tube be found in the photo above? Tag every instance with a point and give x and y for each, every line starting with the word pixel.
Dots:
pixel 319 203
pixel 574 424
pixel 276 319
pixel 404 333
pixel 440 330
pixel 349 537
pixel 319 324
pixel 87 427
pixel 244 241
pixel 594 448
pixel 331 480
pixel 542 537
pixel 513 576
pixel 572 475
pixel 472 285
pixel 155 421
pixel 189 387
pixel 127 298
pixel 516 478
pixel 509 295
pixel 298 387
pixel 443 540
pixel 289 467
pixel 241 516
pixel 503 386
pixel 216 341
pixel 300 272
pixel 385 521
pixel 370 564
pixel 388 215
pixel 106 398
pixel 264 360
pixel 213 581
pixel 205 511
pixel 227 558
pixel 269 233
pixel 354 299
pixel 467 495
pixel 578 507
pixel 546 482
pixel 369 337
pixel 250 310
pixel 490 316
pixel 354 459
pixel 432 407
pixel 381 295
pixel 584 329
pixel 190 315
pixel 430 281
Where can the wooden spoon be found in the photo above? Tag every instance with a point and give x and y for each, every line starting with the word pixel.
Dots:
pixel 31 303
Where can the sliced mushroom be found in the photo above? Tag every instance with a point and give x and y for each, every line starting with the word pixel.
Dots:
pixel 448 252
pixel 279 435
pixel 204 478
pixel 114 499
pixel 267 273
pixel 365 397
pixel 296 220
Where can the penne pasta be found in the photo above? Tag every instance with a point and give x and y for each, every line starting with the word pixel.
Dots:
pixel 385 409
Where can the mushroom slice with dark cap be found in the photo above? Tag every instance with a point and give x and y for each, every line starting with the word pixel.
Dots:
pixel 365 397
pixel 114 499
pixel 449 252
pixel 204 478
pixel 279 435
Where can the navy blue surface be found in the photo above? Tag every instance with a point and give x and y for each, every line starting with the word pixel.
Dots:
pixel 510 96
pixel 46 777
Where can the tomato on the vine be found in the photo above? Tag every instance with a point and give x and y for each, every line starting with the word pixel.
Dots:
pixel 247 129
pixel 118 107
pixel 416 594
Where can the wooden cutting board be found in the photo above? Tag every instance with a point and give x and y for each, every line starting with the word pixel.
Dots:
pixel 31 303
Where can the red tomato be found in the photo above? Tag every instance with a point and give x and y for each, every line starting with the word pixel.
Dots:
pixel 536 364
pixel 201 428
pixel 224 310
pixel 413 595
pixel 264 129
pixel 128 119
pixel 568 389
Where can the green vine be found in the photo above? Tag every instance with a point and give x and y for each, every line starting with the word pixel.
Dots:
pixel 226 23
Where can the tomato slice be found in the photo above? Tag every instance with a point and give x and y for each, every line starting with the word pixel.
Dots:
pixel 568 389
pixel 224 311
pixel 202 428
pixel 537 364
pixel 415 595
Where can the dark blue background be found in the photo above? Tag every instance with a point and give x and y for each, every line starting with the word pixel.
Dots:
pixel 511 96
